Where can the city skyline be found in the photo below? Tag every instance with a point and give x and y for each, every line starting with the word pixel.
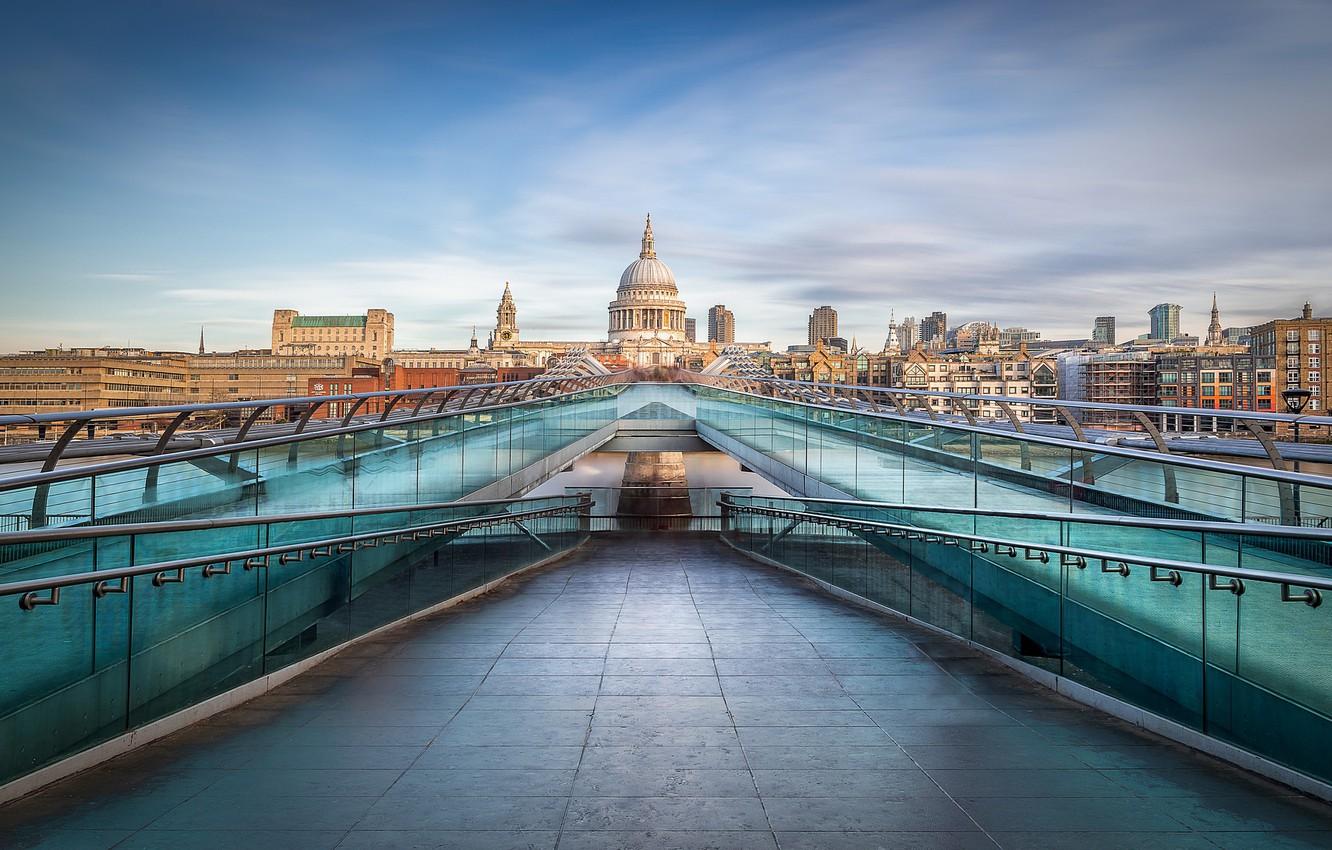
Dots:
pixel 206 165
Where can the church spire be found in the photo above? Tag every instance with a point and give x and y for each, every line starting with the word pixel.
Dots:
pixel 893 344
pixel 649 251
pixel 1214 334
pixel 201 342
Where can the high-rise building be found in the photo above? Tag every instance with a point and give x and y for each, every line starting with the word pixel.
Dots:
pixel 822 324
pixel 368 335
pixel 1214 333
pixel 721 324
pixel 691 330
pixel 1297 345
pixel 907 333
pixel 1165 321
pixel 1103 331
pixel 934 330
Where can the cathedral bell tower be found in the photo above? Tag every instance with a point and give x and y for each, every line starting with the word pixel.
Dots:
pixel 505 334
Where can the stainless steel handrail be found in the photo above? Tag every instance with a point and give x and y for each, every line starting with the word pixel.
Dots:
pixel 83 470
pixel 77 421
pixel 43 535
pixel 1077 446
pixel 163 410
pixel 1293 532
pixel 248 557
pixel 1287 580
pixel 836 389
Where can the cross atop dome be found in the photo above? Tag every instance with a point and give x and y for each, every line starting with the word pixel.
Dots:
pixel 649 251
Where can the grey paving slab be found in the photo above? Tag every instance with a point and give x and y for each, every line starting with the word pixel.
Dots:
pixel 658 840
pixel 443 839
pixel 663 693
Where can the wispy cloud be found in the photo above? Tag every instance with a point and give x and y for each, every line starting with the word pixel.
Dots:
pixel 1027 163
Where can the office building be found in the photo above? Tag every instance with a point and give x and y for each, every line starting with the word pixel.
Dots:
pixel 1015 337
pixel 367 335
pixel 934 330
pixel 822 324
pixel 1103 332
pixel 1165 322
pixel 721 325
pixel 908 333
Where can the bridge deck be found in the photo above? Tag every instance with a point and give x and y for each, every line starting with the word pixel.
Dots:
pixel 654 692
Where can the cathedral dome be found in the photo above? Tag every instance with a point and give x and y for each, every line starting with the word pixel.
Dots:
pixel 647 270
pixel 647 305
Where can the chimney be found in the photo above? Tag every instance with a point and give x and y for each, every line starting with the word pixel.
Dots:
pixel 1308 311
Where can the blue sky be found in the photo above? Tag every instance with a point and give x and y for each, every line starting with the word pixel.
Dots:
pixel 1038 164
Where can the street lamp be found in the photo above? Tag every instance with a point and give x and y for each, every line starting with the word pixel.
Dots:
pixel 1296 400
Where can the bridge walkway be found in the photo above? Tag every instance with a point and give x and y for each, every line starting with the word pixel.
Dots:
pixel 663 692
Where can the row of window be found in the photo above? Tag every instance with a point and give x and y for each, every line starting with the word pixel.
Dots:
pixel 1293 377
pixel 35 385
pixel 141 373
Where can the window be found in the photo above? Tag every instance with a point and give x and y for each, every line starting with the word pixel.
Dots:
pixel 1209 377
pixel 1292 377
pixel 1315 363
pixel 1227 390
pixel 1169 377
pixel 1293 335
pixel 1315 335
pixel 1292 348
pixel 1315 377
pixel 1292 362
pixel 1313 348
